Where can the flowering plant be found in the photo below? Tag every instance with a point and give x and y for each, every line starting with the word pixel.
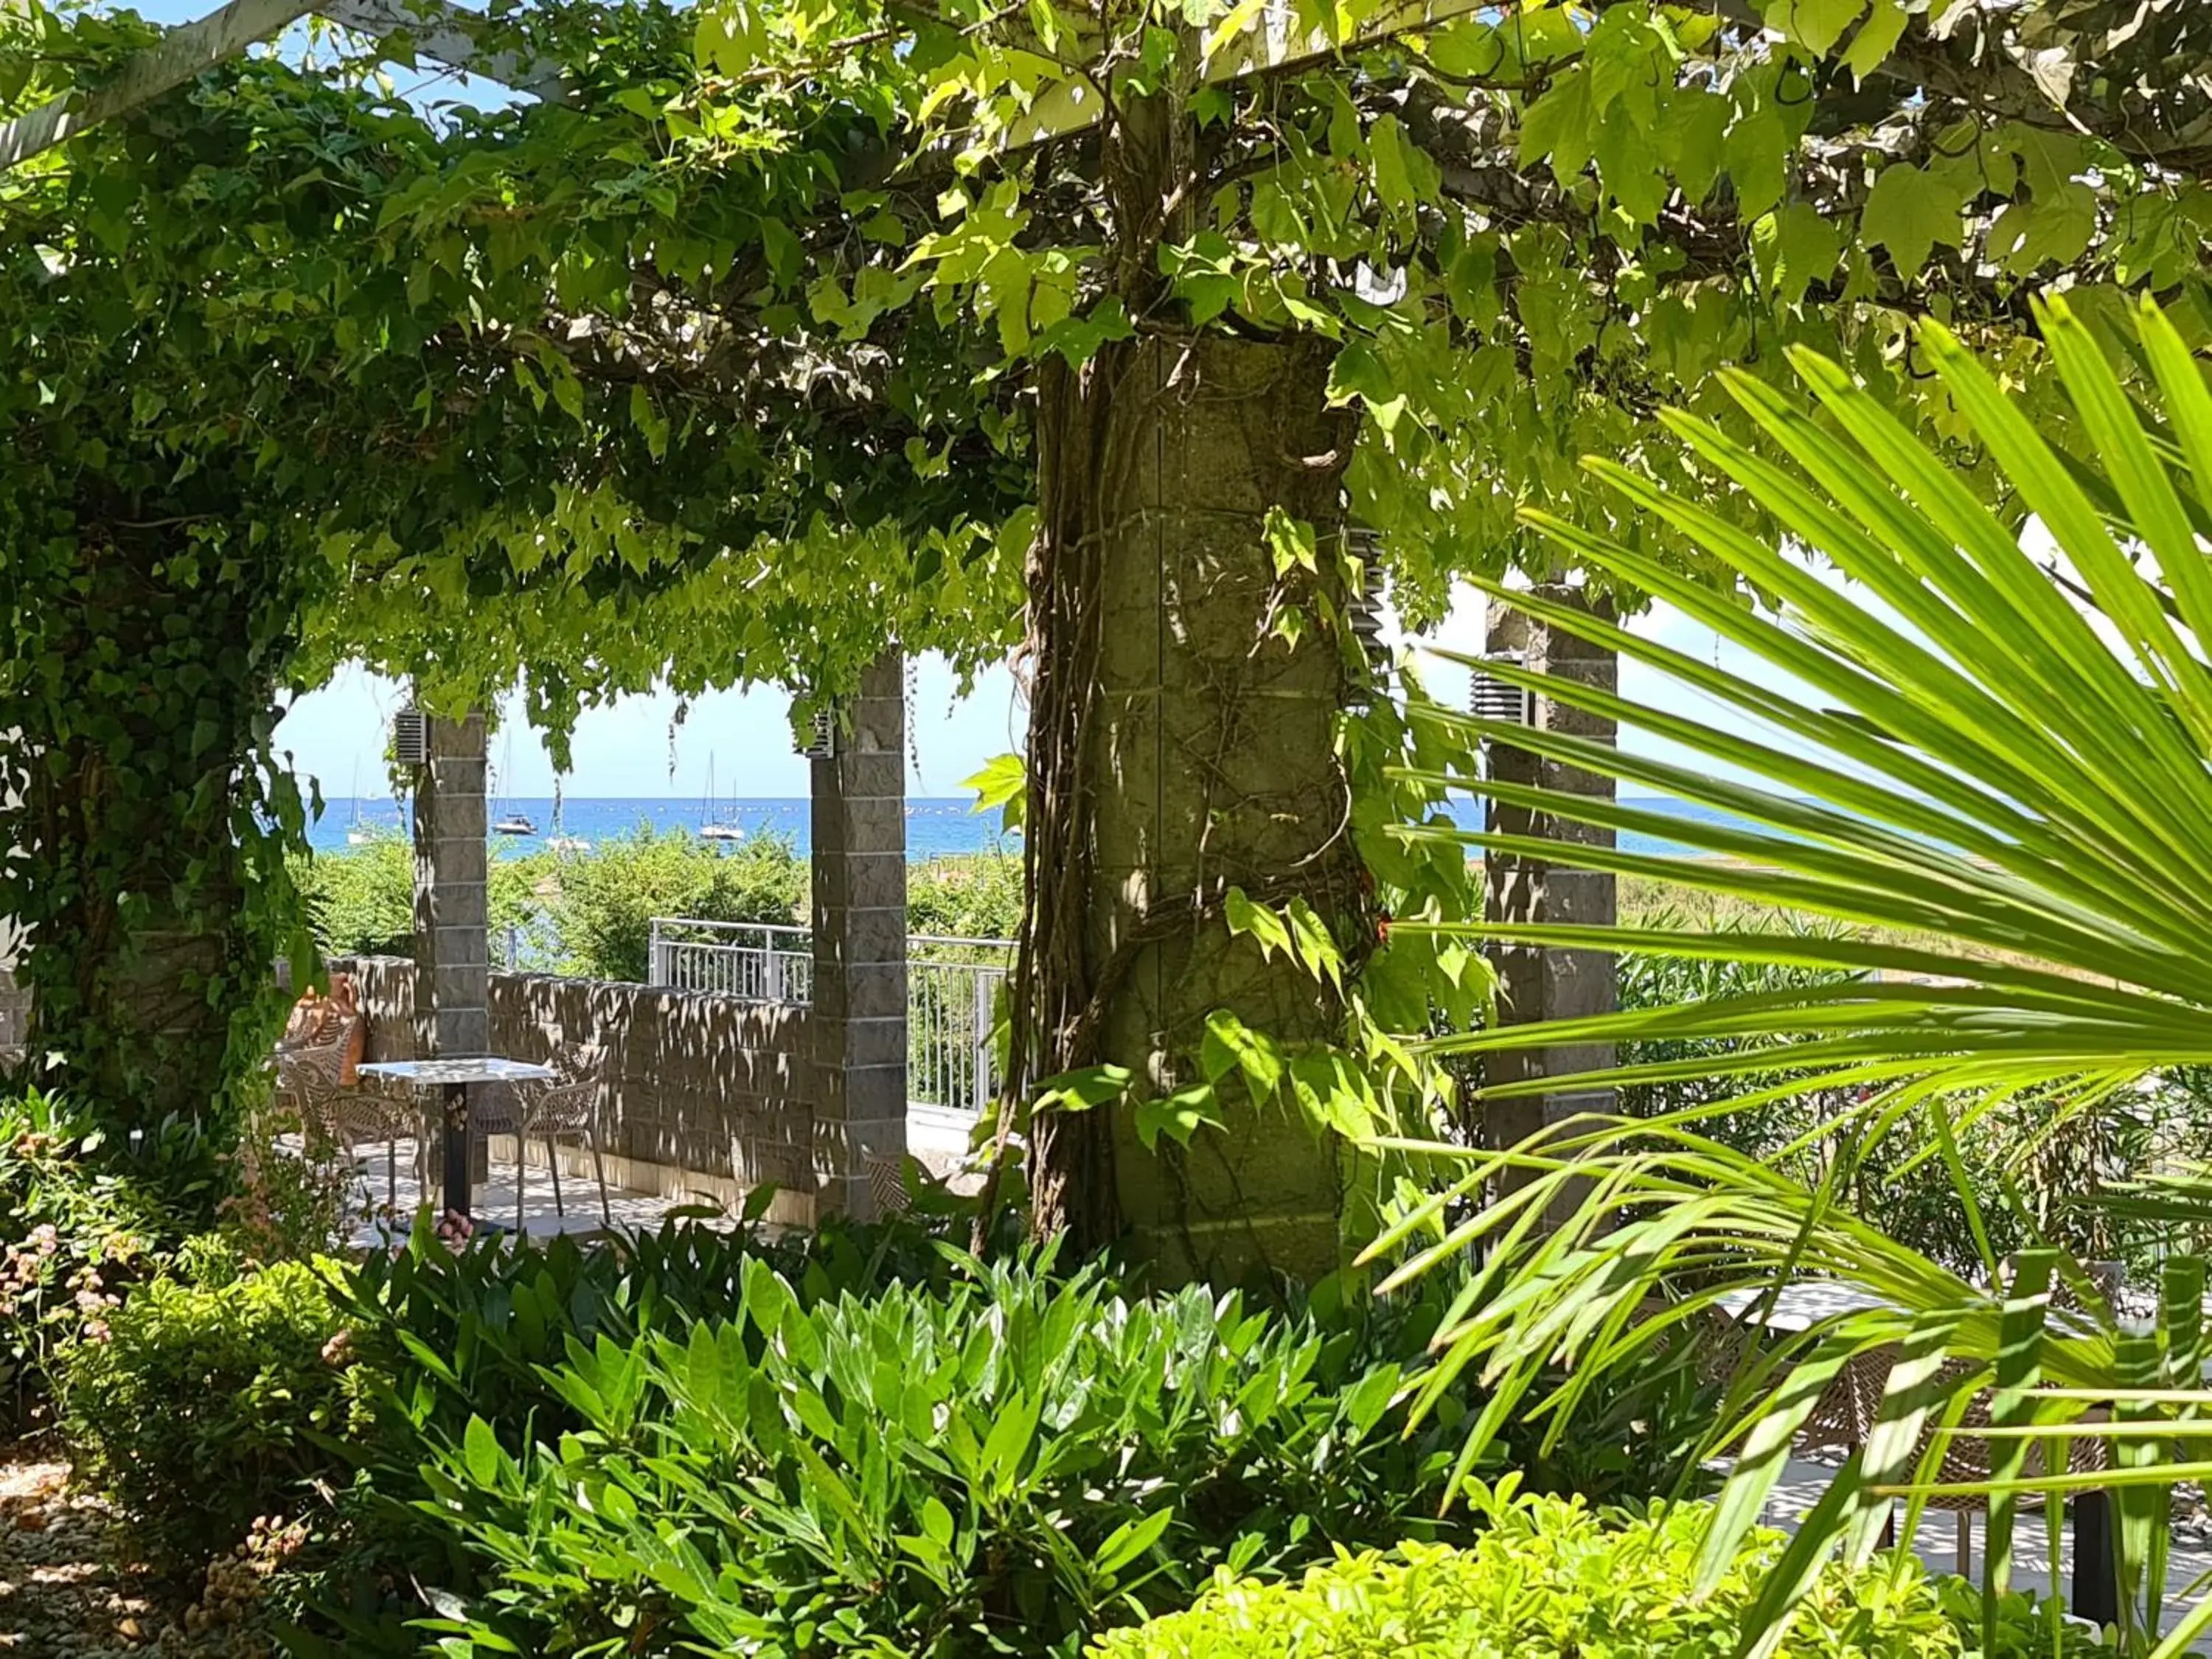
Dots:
pixel 73 1240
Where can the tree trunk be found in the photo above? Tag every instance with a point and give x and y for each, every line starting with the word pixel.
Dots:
pixel 1180 747
pixel 143 674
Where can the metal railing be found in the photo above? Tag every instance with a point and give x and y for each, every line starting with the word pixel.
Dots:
pixel 952 1013
pixel 952 993
pixel 753 960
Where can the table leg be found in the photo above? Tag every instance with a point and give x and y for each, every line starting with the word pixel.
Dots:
pixel 2096 1594
pixel 456 1137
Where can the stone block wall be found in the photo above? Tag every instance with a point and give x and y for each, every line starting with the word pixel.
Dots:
pixel 1549 982
pixel 705 1095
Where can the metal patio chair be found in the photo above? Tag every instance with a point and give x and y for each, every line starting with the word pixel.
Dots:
pixel 310 1079
pixel 565 1108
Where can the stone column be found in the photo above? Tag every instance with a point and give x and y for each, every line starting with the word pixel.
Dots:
pixel 858 852
pixel 1548 983
pixel 453 988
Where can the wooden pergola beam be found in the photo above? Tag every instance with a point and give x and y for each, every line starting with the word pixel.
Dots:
pixel 175 59
pixel 441 33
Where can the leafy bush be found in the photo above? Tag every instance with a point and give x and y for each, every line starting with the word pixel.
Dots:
pixel 362 903
pixel 978 897
pixel 1551 1579
pixel 2061 1154
pixel 943 1472
pixel 608 901
pixel 206 1401
pixel 862 1439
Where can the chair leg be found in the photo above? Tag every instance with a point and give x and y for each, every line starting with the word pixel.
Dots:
pixel 391 1174
pixel 1966 1543
pixel 600 1168
pixel 521 1167
pixel 553 1162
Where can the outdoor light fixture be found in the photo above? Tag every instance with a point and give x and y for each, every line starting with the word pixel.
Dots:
pixel 1367 618
pixel 410 737
pixel 822 742
pixel 1493 699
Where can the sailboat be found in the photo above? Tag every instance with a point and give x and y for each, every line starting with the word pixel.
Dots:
pixel 511 823
pixel 561 841
pixel 358 833
pixel 714 830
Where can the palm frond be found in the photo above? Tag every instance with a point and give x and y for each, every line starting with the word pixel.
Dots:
pixel 2003 801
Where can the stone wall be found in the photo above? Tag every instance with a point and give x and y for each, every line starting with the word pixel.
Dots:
pixel 706 1095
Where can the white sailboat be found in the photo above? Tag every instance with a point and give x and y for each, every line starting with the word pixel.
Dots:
pixel 715 828
pixel 358 833
pixel 561 841
pixel 511 823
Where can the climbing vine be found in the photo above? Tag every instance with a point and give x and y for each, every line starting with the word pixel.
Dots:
pixel 297 373
pixel 727 366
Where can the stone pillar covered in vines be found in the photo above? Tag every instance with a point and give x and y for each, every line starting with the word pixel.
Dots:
pixel 1179 748
pixel 1181 745
pixel 141 662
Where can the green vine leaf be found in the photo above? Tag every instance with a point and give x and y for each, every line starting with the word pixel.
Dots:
pixel 1910 212
pixel 1003 783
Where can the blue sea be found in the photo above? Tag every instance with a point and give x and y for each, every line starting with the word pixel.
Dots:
pixel 935 827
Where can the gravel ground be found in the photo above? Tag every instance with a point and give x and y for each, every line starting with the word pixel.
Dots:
pixel 64 1595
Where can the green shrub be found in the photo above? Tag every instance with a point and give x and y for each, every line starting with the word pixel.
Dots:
pixel 1551 1579
pixel 930 1469
pixel 362 903
pixel 607 902
pixel 2062 1153
pixel 208 1400
pixel 977 896
pixel 864 1440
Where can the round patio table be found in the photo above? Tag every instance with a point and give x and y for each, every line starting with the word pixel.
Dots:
pixel 451 1075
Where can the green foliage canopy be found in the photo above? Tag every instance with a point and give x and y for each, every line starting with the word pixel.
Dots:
pixel 720 370
pixel 1525 231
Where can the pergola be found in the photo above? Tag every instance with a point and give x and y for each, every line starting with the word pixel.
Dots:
pixel 442 32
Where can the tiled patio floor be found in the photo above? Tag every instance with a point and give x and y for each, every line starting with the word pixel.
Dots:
pixel 1936 1542
pixel 937 1137
pixel 495 1200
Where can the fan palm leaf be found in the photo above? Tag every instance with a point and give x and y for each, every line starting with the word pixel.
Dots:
pixel 2000 787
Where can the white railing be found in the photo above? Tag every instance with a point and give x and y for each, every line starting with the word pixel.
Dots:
pixel 952 993
pixel 952 996
pixel 753 960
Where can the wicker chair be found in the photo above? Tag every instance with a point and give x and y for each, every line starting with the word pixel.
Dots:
pixel 1718 1347
pixel 1966 1457
pixel 552 1112
pixel 311 1080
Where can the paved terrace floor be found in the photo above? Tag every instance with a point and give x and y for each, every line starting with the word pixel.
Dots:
pixel 936 1135
pixel 1936 1543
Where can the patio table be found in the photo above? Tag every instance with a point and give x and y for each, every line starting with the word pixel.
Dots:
pixel 1800 1305
pixel 452 1075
